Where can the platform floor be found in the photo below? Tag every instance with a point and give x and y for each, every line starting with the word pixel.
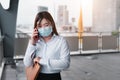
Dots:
pixel 90 67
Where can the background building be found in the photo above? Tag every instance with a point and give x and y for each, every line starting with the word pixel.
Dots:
pixel 62 15
pixel 106 16
pixel 42 8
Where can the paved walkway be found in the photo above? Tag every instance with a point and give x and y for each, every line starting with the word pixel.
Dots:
pixel 91 67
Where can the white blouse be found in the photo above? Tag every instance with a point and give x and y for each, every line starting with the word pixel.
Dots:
pixel 55 54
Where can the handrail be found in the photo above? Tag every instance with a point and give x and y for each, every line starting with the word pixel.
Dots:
pixel 100 38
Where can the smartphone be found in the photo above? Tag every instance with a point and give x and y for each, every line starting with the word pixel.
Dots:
pixel 38 33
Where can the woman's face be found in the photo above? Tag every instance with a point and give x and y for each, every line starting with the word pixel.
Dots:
pixel 44 28
pixel 43 23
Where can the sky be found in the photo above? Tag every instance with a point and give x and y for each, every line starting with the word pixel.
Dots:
pixel 27 9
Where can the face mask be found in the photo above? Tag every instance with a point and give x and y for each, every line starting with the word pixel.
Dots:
pixel 45 31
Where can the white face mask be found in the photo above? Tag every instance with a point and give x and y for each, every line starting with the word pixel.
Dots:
pixel 45 31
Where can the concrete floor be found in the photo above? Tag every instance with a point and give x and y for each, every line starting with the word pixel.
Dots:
pixel 90 67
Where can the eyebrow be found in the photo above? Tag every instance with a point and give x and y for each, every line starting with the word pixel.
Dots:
pixel 45 23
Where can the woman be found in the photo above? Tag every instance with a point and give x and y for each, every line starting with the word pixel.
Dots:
pixel 51 50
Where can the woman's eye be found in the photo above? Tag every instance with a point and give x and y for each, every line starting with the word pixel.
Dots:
pixel 46 25
pixel 39 26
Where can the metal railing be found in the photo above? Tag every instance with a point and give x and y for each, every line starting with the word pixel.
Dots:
pixel 21 42
pixel 88 43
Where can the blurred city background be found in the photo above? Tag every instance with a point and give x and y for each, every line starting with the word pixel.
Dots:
pixel 91 28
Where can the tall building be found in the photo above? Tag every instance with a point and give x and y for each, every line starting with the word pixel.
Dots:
pixel 42 8
pixel 118 14
pixel 62 15
pixel 106 15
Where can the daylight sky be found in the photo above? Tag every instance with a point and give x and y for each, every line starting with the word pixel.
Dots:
pixel 28 8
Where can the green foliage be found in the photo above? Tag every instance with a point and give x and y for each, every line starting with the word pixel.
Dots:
pixel 115 33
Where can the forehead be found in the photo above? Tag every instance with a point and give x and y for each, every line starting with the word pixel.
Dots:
pixel 43 21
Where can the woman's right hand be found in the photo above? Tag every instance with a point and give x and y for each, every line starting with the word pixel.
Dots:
pixel 34 37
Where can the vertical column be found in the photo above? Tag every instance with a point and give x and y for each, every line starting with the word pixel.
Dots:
pixel 8 27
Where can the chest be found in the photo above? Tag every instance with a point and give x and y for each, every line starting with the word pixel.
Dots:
pixel 49 50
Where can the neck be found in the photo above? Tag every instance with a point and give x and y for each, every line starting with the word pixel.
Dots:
pixel 46 39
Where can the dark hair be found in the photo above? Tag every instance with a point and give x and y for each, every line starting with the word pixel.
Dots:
pixel 48 17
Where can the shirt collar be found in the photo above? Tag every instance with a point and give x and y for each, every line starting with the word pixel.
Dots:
pixel 41 39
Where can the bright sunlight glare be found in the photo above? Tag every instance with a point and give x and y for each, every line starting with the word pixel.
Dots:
pixel 73 6
pixel 87 6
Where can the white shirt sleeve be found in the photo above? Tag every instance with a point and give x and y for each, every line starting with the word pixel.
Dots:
pixel 30 52
pixel 63 62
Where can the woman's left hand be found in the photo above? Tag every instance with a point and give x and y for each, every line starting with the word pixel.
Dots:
pixel 37 59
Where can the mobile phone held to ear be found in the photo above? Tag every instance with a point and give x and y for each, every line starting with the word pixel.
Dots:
pixel 38 33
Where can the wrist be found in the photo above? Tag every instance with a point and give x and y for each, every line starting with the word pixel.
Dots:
pixel 32 42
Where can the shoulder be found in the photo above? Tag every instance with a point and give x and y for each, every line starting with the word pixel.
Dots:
pixel 60 37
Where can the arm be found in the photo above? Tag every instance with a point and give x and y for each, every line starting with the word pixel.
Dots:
pixel 30 52
pixel 31 49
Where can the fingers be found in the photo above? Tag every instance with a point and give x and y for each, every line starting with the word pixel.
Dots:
pixel 36 60
pixel 34 36
pixel 35 32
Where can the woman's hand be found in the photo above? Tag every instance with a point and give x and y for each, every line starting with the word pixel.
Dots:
pixel 37 59
pixel 34 37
